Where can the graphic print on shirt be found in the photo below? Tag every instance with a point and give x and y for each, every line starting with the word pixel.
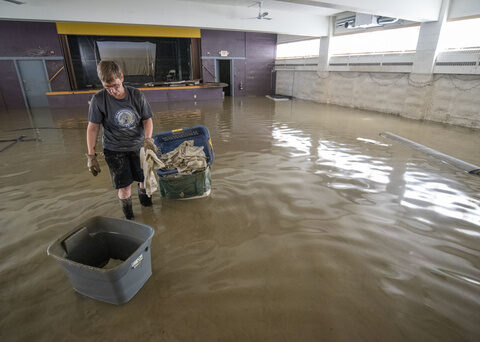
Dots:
pixel 125 118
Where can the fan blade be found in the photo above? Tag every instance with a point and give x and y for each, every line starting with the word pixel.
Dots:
pixel 267 18
pixel 15 2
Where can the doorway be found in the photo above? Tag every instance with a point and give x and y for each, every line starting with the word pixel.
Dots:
pixel 224 75
pixel 33 77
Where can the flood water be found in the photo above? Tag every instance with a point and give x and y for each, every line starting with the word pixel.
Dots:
pixel 317 229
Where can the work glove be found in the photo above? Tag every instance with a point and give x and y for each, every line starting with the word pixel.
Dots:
pixel 148 144
pixel 92 164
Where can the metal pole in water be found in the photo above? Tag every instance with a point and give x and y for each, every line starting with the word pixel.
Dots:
pixel 467 167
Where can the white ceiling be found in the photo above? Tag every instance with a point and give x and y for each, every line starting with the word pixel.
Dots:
pixel 273 5
pixel 294 17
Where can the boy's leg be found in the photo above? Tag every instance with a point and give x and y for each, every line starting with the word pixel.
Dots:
pixel 125 197
pixel 137 173
pixel 143 197
pixel 122 179
pixel 125 192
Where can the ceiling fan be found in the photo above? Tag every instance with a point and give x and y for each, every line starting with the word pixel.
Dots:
pixel 261 15
pixel 15 2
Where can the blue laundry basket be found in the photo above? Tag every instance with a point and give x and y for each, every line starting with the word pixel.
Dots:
pixel 196 185
pixel 170 140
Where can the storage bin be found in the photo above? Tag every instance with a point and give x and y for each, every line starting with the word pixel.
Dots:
pixel 185 186
pixel 177 186
pixel 84 252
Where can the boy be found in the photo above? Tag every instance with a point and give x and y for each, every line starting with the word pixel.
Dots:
pixel 127 123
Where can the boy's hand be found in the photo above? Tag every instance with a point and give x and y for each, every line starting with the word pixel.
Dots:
pixel 92 164
pixel 148 144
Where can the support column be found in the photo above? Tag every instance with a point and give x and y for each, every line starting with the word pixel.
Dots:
pixel 427 45
pixel 419 93
pixel 323 81
pixel 324 53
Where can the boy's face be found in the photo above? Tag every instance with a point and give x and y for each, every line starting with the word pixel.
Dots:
pixel 115 88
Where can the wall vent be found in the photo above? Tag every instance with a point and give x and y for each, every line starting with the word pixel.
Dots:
pixel 361 64
pixel 456 63
pixel 385 62
pixel 447 62
pixel 306 64
pixel 397 63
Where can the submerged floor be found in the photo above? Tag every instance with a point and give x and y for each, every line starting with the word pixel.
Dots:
pixel 317 229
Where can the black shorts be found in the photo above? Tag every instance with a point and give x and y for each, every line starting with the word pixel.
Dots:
pixel 124 167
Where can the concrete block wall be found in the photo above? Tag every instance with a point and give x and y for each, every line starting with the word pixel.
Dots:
pixel 451 99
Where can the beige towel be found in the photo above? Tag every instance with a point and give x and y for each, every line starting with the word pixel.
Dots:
pixel 186 158
pixel 150 164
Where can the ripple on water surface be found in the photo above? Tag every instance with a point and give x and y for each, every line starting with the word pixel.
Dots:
pixel 315 224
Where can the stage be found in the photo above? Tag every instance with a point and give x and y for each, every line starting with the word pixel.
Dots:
pixel 207 91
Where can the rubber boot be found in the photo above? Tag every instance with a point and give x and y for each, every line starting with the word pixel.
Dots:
pixel 143 197
pixel 127 208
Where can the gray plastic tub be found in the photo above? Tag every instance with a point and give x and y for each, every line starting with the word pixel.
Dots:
pixel 86 250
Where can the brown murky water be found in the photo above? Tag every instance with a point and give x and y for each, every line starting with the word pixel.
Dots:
pixel 317 229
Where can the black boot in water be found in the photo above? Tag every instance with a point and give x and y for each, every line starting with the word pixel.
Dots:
pixel 127 208
pixel 143 197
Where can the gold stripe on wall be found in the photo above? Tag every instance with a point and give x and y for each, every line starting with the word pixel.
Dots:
pixel 126 30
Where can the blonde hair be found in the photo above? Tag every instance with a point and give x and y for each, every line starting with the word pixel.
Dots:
pixel 108 71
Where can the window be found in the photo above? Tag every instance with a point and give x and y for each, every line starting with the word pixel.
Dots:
pixel 461 34
pixel 304 48
pixel 392 40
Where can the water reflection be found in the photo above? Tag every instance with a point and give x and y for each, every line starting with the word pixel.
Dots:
pixel 439 196
pixel 468 232
pixel 371 141
pixel 224 121
pixel 291 138
pixel 346 162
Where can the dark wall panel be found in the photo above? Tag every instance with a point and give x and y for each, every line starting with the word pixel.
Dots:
pixel 261 49
pixel 239 81
pixel 253 56
pixel 208 70
pixel 261 45
pixel 33 40
pixel 10 90
pixel 69 100
pixel 209 94
pixel 259 76
pixel 152 96
pixel 214 41
pixel 21 38
pixel 60 82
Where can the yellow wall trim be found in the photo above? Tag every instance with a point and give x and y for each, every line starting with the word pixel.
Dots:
pixel 126 30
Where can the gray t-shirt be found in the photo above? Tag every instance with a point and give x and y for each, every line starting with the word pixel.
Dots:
pixel 121 119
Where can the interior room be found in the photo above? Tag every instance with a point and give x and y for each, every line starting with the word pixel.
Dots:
pixel 240 170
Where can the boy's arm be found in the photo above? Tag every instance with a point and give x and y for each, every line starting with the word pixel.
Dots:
pixel 148 127
pixel 92 134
